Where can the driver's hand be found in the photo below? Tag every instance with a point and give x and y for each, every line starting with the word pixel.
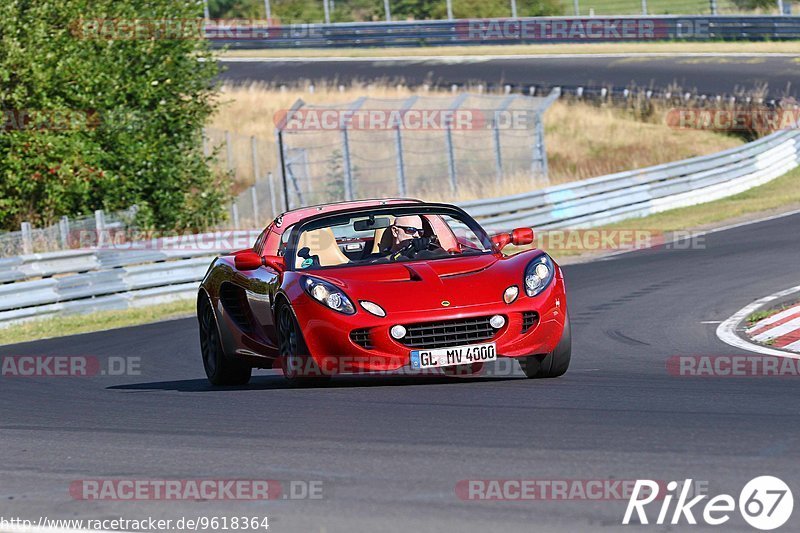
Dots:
pixel 421 243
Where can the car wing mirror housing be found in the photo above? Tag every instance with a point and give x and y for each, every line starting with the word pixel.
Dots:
pixel 250 260
pixel 518 237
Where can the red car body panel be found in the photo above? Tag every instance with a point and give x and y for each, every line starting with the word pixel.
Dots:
pixel 410 292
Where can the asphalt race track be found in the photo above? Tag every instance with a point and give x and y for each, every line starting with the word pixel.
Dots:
pixel 390 451
pixel 707 75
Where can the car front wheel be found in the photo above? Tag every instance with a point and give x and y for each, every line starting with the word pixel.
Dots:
pixel 553 364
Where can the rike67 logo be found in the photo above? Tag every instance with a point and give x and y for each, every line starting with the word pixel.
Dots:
pixel 765 503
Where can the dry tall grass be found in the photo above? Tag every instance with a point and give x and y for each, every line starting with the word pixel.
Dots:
pixel 583 140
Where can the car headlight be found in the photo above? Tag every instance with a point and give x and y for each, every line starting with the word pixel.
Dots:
pixel 538 275
pixel 328 295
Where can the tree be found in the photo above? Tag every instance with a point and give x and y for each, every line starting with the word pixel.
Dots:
pixel 128 71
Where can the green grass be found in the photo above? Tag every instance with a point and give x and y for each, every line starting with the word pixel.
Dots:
pixel 74 324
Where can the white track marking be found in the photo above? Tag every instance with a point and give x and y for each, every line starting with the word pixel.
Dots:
pixel 726 332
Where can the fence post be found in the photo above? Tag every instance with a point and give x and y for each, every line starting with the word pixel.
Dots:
pixel 714 7
pixel 273 200
pixel 401 171
pixel 268 10
pixel 451 160
pixel 282 158
pixel 228 150
pixel 235 214
pixel 348 170
pixel 577 9
pixel 449 9
pixel 327 11
pixel 254 153
pixel 644 7
pixel 27 238
pixel 498 155
pixel 63 228
pixel 780 7
pixel 387 10
pixel 256 214
pixel 513 9
pixel 539 170
pixel 100 226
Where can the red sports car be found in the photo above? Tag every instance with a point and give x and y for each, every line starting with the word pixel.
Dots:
pixel 381 285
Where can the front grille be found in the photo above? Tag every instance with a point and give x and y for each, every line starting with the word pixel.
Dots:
pixel 530 319
pixel 361 337
pixel 448 333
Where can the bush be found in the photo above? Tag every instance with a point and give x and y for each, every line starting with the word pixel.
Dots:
pixel 145 101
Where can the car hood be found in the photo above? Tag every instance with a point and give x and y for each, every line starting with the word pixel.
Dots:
pixel 426 285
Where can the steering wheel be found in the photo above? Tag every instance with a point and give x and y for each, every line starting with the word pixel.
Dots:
pixel 417 245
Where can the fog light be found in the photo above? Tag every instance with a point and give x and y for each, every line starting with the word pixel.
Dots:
pixel 511 294
pixel 497 321
pixel 398 332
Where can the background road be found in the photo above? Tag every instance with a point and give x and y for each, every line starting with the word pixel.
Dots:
pixel 391 450
pixel 707 75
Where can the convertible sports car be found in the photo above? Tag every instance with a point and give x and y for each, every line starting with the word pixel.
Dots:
pixel 381 285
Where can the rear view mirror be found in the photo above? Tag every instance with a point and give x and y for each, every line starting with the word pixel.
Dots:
pixel 372 223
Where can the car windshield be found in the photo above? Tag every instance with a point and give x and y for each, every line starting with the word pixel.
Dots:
pixel 388 237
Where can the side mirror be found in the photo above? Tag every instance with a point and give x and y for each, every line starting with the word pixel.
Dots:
pixel 251 261
pixel 247 261
pixel 518 237
pixel 522 236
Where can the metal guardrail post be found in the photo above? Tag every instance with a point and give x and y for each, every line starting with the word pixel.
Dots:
pixel 268 11
pixel 644 7
pixel 387 10
pixel 577 8
pixel 780 8
pixel 327 11
pixel 513 9
pixel 206 14
pixel 27 238
pixel 100 226
pixel 714 7
pixel 449 9
pixel 63 229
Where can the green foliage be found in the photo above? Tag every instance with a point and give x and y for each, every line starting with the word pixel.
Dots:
pixel 147 99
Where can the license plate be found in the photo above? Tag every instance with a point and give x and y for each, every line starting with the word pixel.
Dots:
pixel 455 355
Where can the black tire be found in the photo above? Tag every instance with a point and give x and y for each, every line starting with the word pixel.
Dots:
pixel 221 369
pixel 553 364
pixel 297 365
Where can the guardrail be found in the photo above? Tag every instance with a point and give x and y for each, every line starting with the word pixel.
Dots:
pixel 581 204
pixel 509 31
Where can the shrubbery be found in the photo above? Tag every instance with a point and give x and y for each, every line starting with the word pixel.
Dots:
pixel 135 109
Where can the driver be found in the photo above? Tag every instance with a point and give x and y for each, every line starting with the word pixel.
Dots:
pixel 408 240
pixel 404 229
